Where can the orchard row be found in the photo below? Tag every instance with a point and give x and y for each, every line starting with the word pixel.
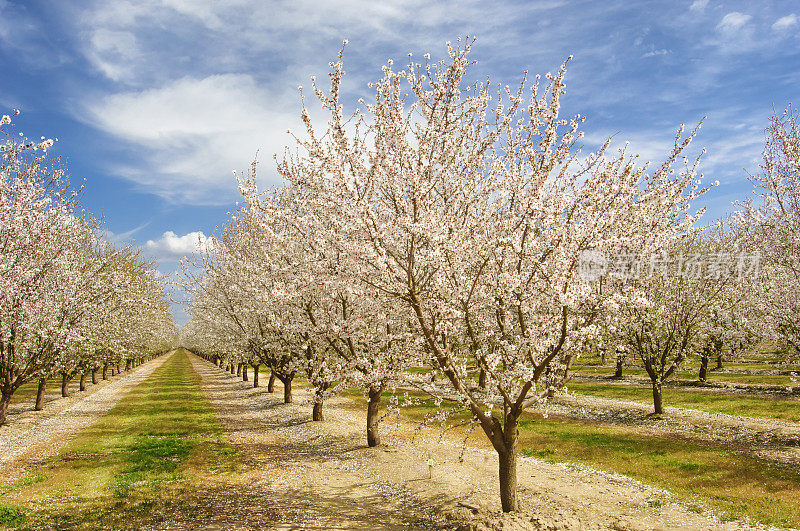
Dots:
pixel 433 239
pixel 71 303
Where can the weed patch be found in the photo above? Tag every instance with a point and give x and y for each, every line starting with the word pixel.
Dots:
pixel 12 516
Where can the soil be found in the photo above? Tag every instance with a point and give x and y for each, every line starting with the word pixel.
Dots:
pixel 294 473
pixel 321 475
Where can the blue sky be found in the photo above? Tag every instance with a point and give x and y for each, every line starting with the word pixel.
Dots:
pixel 156 102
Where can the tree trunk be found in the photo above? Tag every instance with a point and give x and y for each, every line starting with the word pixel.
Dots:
pixel 244 373
pixel 719 363
pixel 94 376
pixel 105 371
pixel 118 371
pixel 40 395
pixel 287 389
pixel 238 369
pixel 618 371
pixel 703 366
pixel 128 365
pixel 271 384
pixel 319 400
pixel 658 408
pixel 507 458
pixel 316 414
pixel 255 375
pixel 373 437
pixel 233 368
pixel 5 398
pixel 482 379
pixel 82 384
pixel 64 385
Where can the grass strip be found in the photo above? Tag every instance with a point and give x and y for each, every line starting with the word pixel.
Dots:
pixel 710 401
pixel 145 459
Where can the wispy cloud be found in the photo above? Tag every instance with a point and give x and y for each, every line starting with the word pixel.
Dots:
pixel 733 22
pixel 196 121
pixel 194 132
pixel 185 92
pixel 654 53
pixel 698 5
pixel 122 237
pixel 785 23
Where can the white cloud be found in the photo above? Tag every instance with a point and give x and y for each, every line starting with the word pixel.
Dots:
pixel 170 246
pixel 736 33
pixel 785 23
pixel 656 52
pixel 194 132
pixel 650 146
pixel 112 52
pixel 235 31
pixel 168 249
pixel 21 30
pixel 199 87
pixel 733 22
pixel 195 121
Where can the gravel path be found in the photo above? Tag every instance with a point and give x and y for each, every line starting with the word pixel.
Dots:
pixel 41 434
pixel 321 475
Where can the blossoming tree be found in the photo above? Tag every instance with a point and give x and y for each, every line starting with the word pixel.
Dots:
pixel 470 208
pixel 772 219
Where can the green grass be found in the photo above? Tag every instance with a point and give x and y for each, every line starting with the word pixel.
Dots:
pixel 691 373
pixel 710 401
pixel 764 379
pixel 736 485
pixel 11 516
pixel 145 457
pixel 713 376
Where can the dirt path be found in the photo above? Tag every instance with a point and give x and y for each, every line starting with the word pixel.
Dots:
pixel 322 476
pixel 40 434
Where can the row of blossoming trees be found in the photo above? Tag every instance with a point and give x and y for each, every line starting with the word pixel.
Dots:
pixel 444 226
pixel 70 302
